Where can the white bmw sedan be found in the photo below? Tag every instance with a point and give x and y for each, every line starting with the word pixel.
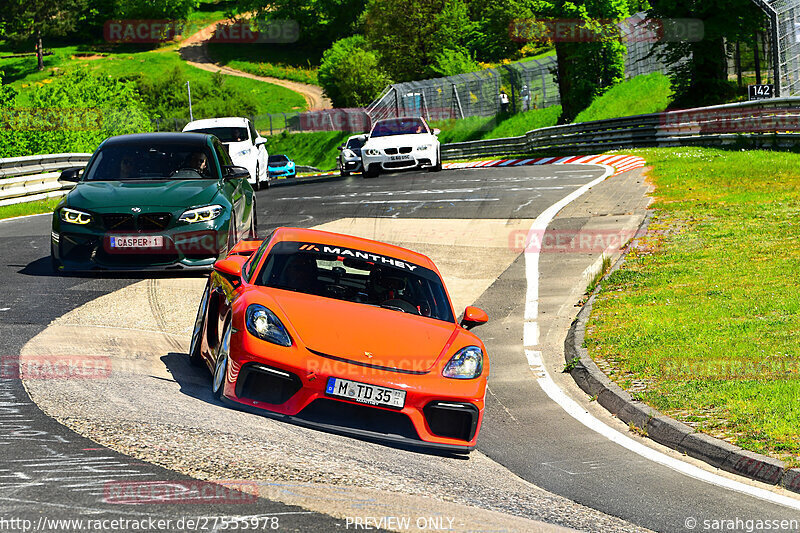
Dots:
pixel 401 143
pixel 246 147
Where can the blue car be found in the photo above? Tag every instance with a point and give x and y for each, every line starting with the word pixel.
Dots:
pixel 281 166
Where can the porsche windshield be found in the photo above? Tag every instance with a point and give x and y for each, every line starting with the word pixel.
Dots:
pixel 356 276
pixel 122 162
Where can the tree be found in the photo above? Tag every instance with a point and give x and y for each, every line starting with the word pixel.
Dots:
pixel 350 73
pixel 492 40
pixel 409 34
pixel 588 67
pixel 25 19
pixel 321 22
pixel 699 69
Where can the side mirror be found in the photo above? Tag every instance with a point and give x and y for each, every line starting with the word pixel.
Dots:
pixel 340 148
pixel 436 131
pixel 70 175
pixel 473 316
pixel 235 173
pixel 261 141
pixel 230 270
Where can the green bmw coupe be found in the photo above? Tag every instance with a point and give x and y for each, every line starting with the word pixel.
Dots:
pixel 153 201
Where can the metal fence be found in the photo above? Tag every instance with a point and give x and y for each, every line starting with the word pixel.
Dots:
pixel 787 16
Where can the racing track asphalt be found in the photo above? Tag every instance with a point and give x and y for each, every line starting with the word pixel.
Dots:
pixel 524 430
pixel 48 472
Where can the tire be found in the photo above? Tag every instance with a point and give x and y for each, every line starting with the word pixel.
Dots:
pixel 254 222
pixel 438 166
pixel 221 362
pixel 232 233
pixel 194 350
pixel 344 173
pixel 258 179
pixel 371 171
pixel 55 264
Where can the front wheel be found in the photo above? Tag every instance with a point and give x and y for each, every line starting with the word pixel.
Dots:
pixel 258 184
pixel 221 364
pixel 194 350
pixel 371 171
pixel 254 222
pixel 55 264
pixel 438 166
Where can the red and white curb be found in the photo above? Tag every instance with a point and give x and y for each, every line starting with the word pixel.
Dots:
pixel 620 163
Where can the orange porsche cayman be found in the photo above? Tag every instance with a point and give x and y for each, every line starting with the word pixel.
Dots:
pixel 344 334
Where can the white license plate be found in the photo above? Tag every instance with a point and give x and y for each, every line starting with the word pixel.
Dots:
pixel 400 158
pixel 135 242
pixel 364 393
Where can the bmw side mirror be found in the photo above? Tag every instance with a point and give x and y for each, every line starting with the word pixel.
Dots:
pixel 261 141
pixel 340 148
pixel 70 175
pixel 436 131
pixel 236 173
pixel 473 316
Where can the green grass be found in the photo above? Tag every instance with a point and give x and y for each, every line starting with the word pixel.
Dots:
pixel 316 149
pixel 707 311
pixel 284 61
pixel 650 93
pixel 476 128
pixel 22 74
pixel 28 208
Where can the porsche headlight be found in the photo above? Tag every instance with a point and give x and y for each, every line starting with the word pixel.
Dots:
pixel 263 324
pixel 201 214
pixel 372 151
pixel 466 364
pixel 423 147
pixel 73 216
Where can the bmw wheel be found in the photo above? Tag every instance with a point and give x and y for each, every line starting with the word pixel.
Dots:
pixel 438 166
pixel 221 365
pixel 258 179
pixel 194 350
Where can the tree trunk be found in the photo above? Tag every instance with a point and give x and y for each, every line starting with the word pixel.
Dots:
pixel 39 51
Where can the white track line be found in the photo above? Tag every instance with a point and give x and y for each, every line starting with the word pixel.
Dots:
pixel 579 413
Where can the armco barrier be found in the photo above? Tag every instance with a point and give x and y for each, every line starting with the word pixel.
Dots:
pixel 771 123
pixel 25 179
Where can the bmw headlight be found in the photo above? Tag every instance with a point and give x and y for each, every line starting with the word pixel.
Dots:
pixel 423 147
pixel 243 152
pixel 73 216
pixel 201 214
pixel 348 153
pixel 466 364
pixel 372 151
pixel 263 324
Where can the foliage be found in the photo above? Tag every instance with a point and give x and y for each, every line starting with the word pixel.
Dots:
pixel 703 79
pixel 321 22
pixel 167 95
pixel 449 62
pixel 33 19
pixel 73 113
pixel 587 69
pixel 409 34
pixel 491 40
pixel 650 93
pixel 350 73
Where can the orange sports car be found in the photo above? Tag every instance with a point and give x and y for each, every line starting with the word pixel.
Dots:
pixel 344 334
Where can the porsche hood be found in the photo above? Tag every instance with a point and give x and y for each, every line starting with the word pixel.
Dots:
pixel 365 334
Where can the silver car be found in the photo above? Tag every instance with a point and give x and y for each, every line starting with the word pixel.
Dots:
pixel 349 159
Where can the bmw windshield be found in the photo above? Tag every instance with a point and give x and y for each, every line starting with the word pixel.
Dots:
pixel 398 126
pixel 356 276
pixel 129 161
